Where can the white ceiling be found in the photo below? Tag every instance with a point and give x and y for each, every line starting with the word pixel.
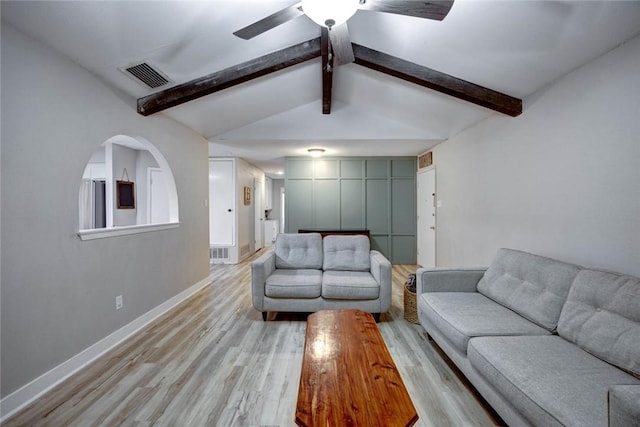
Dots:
pixel 516 47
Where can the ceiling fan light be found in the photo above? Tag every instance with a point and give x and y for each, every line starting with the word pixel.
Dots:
pixel 328 13
pixel 316 152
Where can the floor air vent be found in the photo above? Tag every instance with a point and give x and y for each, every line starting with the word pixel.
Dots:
pixel 147 75
pixel 219 254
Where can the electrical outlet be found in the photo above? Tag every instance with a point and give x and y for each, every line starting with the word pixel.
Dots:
pixel 119 302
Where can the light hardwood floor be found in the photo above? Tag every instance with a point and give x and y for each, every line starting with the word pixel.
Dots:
pixel 212 361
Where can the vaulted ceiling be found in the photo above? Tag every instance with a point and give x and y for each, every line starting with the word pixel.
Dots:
pixel 514 47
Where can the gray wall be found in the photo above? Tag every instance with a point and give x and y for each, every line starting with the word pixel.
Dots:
pixel 378 194
pixel 561 180
pixel 58 292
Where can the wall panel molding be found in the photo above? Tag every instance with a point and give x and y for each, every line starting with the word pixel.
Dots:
pixel 376 193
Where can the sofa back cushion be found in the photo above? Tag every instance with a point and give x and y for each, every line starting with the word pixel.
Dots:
pixel 531 285
pixel 302 250
pixel 602 316
pixel 349 253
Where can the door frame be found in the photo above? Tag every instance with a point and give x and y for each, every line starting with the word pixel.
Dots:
pixel 233 202
pixel 258 216
pixel 150 171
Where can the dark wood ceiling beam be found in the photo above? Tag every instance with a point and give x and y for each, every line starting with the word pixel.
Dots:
pixel 437 80
pixel 327 71
pixel 229 77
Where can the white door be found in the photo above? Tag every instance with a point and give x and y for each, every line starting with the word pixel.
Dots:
pixel 270 231
pixel 258 190
pixel 221 203
pixel 427 218
pixel 158 202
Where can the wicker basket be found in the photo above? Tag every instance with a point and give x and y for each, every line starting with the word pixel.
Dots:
pixel 410 307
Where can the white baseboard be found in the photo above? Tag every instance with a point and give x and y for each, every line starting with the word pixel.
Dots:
pixel 20 398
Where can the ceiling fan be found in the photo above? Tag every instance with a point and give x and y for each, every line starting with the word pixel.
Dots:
pixel 333 15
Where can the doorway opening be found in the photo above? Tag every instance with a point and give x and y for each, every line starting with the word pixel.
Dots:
pixel 124 162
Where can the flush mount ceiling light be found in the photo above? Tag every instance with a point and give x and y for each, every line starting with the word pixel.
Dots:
pixel 316 152
pixel 329 13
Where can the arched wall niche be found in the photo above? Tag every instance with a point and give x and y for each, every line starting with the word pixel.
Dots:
pixel 127 187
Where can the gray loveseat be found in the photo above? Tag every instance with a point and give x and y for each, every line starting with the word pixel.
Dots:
pixel 306 273
pixel 546 343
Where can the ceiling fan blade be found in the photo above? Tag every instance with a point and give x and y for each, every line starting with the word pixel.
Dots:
pixel 271 21
pixel 341 44
pixel 436 9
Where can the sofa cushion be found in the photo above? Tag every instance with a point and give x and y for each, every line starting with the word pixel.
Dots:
pixel 533 286
pixel 349 285
pixel 349 253
pixel 299 250
pixel 302 283
pixel 602 316
pixel 549 380
pixel 624 406
pixel 462 315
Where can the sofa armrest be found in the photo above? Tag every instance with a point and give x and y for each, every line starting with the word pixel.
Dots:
pixel 448 279
pixel 624 405
pixel 381 271
pixel 261 268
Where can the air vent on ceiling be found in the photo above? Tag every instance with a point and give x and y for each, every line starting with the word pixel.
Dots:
pixel 147 75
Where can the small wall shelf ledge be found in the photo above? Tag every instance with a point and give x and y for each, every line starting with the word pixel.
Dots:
pixel 103 233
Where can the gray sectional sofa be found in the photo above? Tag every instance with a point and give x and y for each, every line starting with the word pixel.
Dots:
pixel 546 343
pixel 306 273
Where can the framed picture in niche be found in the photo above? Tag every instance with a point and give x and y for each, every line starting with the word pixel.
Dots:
pixel 126 194
pixel 247 196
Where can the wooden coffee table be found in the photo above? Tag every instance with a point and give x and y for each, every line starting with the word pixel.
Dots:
pixel 348 376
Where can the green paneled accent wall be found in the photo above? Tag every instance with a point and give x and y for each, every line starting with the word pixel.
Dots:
pixel 302 169
pixel 299 212
pixel 374 193
pixel 352 169
pixel 403 168
pixel 325 169
pixel 377 168
pixel 403 206
pixel 378 204
pixel 326 204
pixel 352 201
